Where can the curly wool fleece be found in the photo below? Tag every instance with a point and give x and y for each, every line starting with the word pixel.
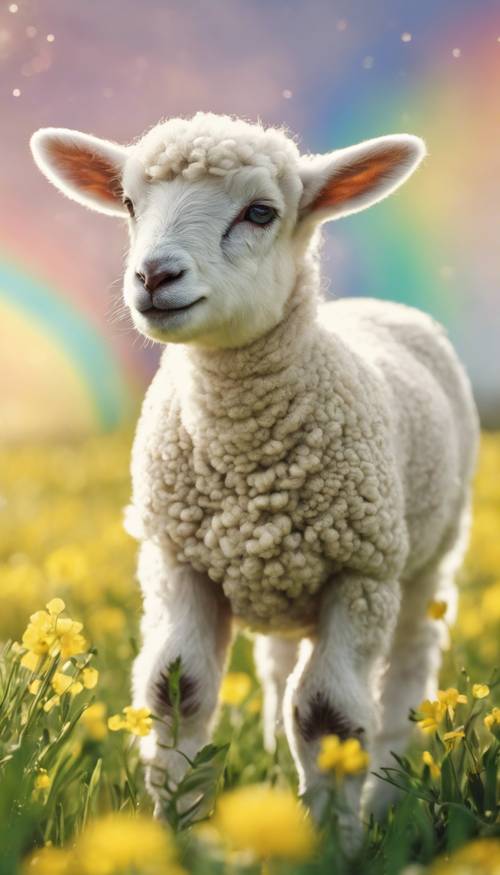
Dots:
pixel 213 144
pixel 272 466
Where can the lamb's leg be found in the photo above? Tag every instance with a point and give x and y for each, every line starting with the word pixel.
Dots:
pixel 275 659
pixel 184 616
pixel 333 689
pixel 412 674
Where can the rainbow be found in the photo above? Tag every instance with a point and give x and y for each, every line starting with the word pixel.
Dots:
pixel 57 374
pixel 432 245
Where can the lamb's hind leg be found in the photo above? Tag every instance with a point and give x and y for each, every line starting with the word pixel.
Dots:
pixel 412 673
pixel 275 658
pixel 184 616
pixel 332 689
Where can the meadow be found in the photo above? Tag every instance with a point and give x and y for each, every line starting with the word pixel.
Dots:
pixel 71 793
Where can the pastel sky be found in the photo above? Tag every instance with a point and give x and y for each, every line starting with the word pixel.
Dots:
pixel 334 72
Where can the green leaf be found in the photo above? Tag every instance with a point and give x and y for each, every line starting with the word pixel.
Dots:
pixel 490 763
pixel 91 790
pixel 449 789
pixel 195 795
pixel 476 789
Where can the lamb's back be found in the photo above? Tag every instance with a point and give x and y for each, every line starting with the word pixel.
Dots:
pixel 435 424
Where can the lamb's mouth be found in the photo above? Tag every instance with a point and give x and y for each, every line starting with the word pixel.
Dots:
pixel 159 314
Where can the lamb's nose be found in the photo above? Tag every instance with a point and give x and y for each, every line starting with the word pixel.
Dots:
pixel 156 273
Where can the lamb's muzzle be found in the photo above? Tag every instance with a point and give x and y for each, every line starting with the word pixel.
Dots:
pixel 301 466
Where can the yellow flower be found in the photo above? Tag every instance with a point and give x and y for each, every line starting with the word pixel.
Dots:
pixel 34 687
pixel 450 698
pixel 119 843
pixel 429 760
pixel 436 609
pixel 55 606
pixel 235 688
pixel 90 676
pixel 480 691
pixel 265 821
pixel 39 636
pixel 492 720
pixel 71 641
pixel 42 780
pixel 51 703
pixel 113 845
pixel 136 720
pixel 62 683
pixel 451 739
pixel 50 634
pixel 342 757
pixel 116 722
pixel 139 720
pixel 431 715
pixel 480 857
pixel 30 661
pixel 93 721
pixel 48 861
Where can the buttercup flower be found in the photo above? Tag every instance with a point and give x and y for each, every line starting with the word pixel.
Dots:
pixel 113 845
pixel 48 861
pixel 62 683
pixel 40 636
pixel 90 676
pixel 492 720
pixel 55 606
pixel 266 822
pixel 429 760
pixel 432 712
pixel 480 857
pixel 450 698
pixel 42 780
pixel 31 661
pixel 480 691
pixel 342 757
pixel 136 720
pixel 119 843
pixel 451 739
pixel 49 634
pixel 436 609
pixel 235 688
pixel 71 641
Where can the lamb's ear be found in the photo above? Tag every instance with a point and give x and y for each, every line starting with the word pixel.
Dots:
pixel 85 168
pixel 352 179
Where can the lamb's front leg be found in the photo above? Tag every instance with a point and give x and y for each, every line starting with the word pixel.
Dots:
pixel 275 659
pixel 333 690
pixel 184 616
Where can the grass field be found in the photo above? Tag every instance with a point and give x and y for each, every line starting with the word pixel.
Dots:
pixel 71 792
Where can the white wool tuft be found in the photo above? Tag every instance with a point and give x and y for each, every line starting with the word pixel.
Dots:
pixel 214 144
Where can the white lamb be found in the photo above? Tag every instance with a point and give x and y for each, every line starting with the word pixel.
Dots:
pixel 300 467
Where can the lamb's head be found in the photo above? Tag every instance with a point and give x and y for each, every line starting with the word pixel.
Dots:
pixel 221 213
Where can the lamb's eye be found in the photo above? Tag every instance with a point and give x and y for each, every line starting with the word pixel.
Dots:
pixel 260 214
pixel 129 205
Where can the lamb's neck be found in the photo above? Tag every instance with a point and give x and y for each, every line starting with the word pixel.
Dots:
pixel 279 347
pixel 230 388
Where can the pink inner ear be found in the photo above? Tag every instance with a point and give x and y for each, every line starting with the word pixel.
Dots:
pixel 362 176
pixel 87 170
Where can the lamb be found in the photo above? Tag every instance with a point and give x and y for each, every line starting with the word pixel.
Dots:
pixel 301 468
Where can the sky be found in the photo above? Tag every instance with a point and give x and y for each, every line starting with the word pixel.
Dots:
pixel 334 73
